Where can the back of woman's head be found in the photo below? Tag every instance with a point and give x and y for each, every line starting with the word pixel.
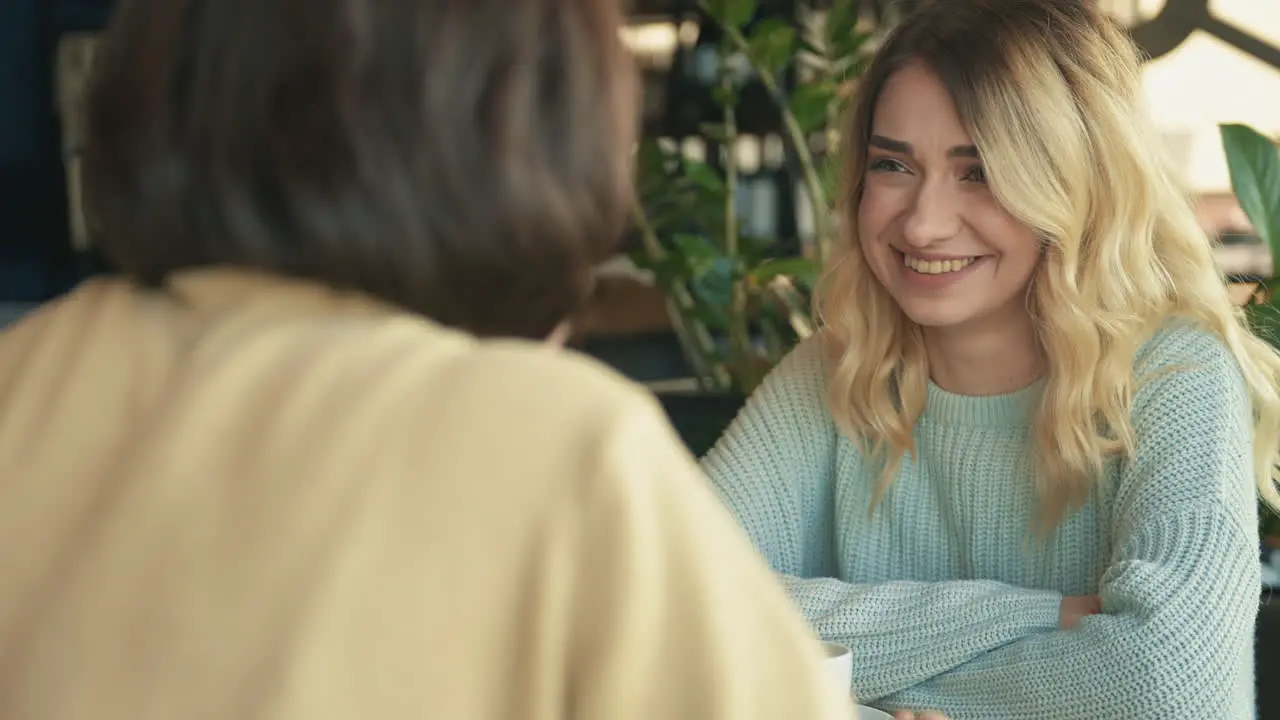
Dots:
pixel 464 159
pixel 1049 91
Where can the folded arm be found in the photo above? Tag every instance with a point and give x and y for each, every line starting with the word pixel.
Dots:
pixel 1180 593
pixel 903 633
pixel 774 468
pixel 1171 642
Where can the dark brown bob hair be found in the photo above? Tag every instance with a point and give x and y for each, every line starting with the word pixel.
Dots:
pixel 468 160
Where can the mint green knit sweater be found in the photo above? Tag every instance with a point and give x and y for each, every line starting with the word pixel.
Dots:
pixel 945 602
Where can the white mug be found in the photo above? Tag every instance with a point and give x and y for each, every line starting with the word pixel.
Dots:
pixel 839 665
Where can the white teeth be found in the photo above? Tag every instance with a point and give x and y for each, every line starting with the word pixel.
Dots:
pixel 935 267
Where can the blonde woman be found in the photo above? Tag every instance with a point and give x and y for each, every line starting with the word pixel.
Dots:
pixel 1017 470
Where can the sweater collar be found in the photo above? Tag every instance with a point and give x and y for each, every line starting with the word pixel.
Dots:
pixel 1015 409
pixel 217 291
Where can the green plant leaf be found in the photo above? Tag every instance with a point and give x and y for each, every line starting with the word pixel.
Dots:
pixel 705 177
pixel 849 46
pixel 698 253
pixel 641 259
pixel 669 272
pixel 755 249
pixel 725 95
pixel 714 286
pixel 809 104
pixel 771 45
pixel 651 160
pixel 1264 318
pixel 807 45
pixel 804 270
pixel 1254 162
pixel 731 13
pixel 685 207
pixel 842 22
pixel 709 318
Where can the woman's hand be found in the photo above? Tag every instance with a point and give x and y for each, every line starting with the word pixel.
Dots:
pixel 1076 607
pixel 908 715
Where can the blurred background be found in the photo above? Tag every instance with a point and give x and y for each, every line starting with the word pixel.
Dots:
pixel 778 72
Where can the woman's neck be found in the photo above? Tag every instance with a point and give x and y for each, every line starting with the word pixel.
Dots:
pixel 992 360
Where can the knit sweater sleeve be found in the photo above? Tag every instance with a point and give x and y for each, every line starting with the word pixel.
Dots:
pixel 1180 593
pixel 774 468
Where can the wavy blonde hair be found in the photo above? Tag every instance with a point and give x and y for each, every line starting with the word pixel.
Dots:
pixel 1049 91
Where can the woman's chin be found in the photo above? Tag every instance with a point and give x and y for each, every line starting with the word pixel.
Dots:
pixel 936 316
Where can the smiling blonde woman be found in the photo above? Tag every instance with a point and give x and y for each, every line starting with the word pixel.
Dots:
pixel 1017 469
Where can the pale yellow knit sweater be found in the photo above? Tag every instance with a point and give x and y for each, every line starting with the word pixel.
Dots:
pixel 250 499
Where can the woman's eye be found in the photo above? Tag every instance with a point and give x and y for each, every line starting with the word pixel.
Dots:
pixel 976 174
pixel 886 165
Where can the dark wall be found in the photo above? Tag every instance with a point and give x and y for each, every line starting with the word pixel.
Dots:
pixel 36 261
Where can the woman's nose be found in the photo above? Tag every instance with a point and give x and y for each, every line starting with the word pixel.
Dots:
pixel 933 216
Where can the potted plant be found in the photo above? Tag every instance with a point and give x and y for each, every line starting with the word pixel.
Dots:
pixel 1254 162
pixel 738 302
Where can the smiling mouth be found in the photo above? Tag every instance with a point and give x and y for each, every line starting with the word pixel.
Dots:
pixel 936 267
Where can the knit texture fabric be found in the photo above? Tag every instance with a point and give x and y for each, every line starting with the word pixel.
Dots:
pixel 946 598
